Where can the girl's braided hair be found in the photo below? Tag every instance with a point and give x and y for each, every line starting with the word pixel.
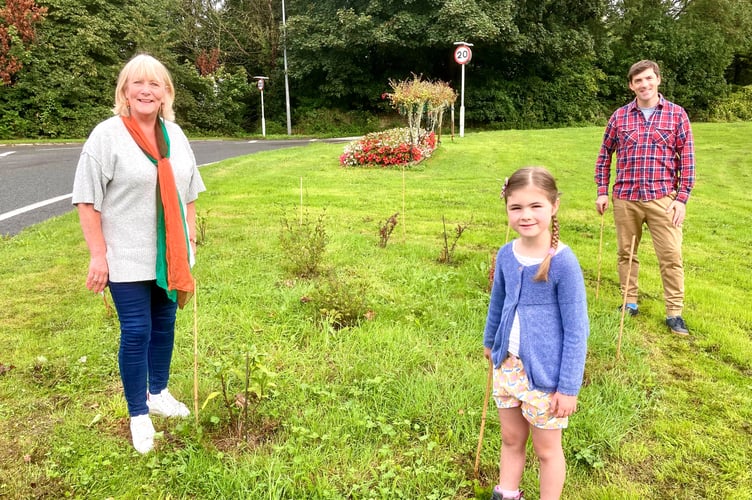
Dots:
pixel 543 180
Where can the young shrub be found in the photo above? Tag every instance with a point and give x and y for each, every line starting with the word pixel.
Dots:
pixel 340 299
pixel 202 222
pixel 303 244
pixel 244 380
pixel 447 253
pixel 385 231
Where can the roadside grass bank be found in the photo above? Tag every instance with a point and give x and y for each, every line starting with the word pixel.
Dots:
pixel 390 408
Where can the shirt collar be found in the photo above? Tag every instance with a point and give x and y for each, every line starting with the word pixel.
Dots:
pixel 634 107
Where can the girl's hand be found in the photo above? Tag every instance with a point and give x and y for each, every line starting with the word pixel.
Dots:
pixel 487 353
pixel 563 405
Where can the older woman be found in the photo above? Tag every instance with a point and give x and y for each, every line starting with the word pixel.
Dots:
pixel 135 188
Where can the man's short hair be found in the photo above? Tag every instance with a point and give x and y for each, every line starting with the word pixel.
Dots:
pixel 641 66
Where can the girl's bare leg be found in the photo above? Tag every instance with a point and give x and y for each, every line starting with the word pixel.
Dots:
pixel 553 467
pixel 514 433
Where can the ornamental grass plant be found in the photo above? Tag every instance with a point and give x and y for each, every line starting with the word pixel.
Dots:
pixel 388 407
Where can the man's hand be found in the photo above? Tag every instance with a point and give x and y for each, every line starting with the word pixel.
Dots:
pixel 680 211
pixel 601 203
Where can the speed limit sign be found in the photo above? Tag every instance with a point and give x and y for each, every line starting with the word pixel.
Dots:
pixel 463 54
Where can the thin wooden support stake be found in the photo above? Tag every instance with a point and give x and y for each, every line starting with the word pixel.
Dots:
pixel 600 257
pixel 195 351
pixel 404 211
pixel 624 299
pixel 301 201
pixel 489 383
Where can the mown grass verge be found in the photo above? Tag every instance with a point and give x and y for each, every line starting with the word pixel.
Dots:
pixel 390 408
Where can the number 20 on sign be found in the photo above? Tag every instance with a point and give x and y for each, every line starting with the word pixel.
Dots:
pixel 463 54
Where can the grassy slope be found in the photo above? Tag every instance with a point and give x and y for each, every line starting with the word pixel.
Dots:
pixel 391 408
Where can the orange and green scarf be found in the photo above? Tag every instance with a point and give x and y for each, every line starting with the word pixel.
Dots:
pixel 173 264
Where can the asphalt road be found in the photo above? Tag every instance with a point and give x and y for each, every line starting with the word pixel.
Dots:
pixel 36 180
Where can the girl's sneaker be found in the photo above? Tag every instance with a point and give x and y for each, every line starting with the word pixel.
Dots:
pixel 497 495
pixel 142 433
pixel 164 405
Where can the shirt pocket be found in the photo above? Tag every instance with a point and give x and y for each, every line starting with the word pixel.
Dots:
pixel 628 137
pixel 664 138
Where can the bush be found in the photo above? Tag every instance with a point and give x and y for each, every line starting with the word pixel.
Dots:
pixel 737 106
pixel 390 148
pixel 340 299
pixel 335 123
pixel 303 244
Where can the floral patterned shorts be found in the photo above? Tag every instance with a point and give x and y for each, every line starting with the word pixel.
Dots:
pixel 511 389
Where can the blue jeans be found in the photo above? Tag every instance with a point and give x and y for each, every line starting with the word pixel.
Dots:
pixel 147 335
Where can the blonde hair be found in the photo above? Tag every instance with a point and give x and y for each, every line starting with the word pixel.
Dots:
pixel 542 179
pixel 144 66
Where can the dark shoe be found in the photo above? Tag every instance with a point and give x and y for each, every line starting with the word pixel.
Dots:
pixel 632 311
pixel 677 325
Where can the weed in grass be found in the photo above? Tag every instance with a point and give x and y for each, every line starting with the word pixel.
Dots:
pixel 447 253
pixel 303 244
pixel 385 231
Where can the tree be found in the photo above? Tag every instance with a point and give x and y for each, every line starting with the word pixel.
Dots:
pixel 694 41
pixel 17 20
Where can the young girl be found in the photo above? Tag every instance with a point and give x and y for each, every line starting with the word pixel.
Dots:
pixel 536 334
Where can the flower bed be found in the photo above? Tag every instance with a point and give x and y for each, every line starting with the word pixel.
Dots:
pixel 389 148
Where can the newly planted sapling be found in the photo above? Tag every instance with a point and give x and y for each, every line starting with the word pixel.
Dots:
pixel 447 253
pixel 303 244
pixel 385 231
pixel 244 381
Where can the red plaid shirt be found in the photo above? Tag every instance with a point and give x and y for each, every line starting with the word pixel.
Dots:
pixel 653 158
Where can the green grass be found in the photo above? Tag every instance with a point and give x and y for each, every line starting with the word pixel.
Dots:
pixel 391 408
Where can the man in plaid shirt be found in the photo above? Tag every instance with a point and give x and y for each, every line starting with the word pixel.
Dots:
pixel 655 173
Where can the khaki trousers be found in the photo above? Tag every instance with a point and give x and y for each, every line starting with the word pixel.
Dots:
pixel 629 217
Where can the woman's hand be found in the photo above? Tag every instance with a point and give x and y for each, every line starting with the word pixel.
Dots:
pixel 99 274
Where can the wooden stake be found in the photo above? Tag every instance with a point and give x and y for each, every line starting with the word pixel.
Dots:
pixel 404 212
pixel 489 383
pixel 600 256
pixel 624 299
pixel 195 351
pixel 107 306
pixel 301 201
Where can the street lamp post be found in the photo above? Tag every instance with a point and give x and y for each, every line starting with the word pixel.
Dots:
pixel 287 85
pixel 462 55
pixel 260 84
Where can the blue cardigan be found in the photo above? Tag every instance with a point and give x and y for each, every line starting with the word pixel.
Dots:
pixel 554 324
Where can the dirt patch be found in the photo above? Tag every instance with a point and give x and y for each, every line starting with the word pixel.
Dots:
pixel 228 439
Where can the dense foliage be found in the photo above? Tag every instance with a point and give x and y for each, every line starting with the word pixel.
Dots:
pixel 535 63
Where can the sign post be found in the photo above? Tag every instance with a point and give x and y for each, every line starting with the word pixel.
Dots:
pixel 462 55
pixel 260 84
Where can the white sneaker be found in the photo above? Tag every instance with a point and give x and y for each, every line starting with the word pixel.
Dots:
pixel 142 432
pixel 164 405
